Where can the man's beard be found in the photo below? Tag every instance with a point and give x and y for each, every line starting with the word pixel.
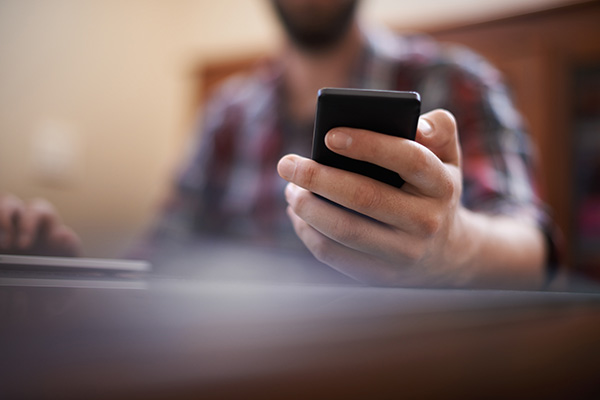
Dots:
pixel 315 31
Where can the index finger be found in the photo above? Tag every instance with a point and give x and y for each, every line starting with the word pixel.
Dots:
pixel 420 162
pixel 11 208
pixel 39 216
pixel 380 201
pixel 416 164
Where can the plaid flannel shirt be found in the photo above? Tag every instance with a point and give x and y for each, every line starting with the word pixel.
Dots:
pixel 229 185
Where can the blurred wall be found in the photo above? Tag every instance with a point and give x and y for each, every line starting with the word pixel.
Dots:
pixel 95 95
pixel 94 102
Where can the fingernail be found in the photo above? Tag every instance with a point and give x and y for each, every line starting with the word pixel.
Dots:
pixel 338 140
pixel 286 168
pixel 425 127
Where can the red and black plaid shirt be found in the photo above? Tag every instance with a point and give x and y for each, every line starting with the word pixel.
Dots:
pixel 229 185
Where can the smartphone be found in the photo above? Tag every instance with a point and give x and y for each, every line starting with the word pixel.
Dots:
pixel 384 111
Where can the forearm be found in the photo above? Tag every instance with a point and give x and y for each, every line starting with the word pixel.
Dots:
pixel 504 252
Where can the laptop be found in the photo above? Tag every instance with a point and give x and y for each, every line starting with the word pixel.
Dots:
pixel 81 272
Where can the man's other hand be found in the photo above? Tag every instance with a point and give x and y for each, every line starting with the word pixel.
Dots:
pixel 34 228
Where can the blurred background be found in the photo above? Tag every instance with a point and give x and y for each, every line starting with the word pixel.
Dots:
pixel 97 98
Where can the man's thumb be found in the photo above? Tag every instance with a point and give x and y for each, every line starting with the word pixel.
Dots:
pixel 437 131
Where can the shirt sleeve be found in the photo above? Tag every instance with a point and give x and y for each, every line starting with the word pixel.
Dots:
pixel 499 158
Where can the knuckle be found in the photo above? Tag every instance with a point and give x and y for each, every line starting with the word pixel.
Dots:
pixel 448 187
pixel 319 247
pixel 419 161
pixel 366 196
pixel 345 231
pixel 430 224
pixel 307 174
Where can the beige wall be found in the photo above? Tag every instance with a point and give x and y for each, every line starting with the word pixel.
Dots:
pixel 95 95
pixel 95 101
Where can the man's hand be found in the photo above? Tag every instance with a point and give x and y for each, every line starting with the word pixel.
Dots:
pixel 418 235
pixel 34 228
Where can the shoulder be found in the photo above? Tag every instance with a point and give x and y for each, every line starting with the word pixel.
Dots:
pixel 423 52
pixel 419 58
pixel 447 75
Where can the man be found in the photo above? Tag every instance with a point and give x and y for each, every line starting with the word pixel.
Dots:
pixel 471 220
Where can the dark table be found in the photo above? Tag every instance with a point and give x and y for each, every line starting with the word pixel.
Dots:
pixel 207 336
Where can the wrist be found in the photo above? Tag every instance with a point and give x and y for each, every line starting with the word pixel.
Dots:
pixel 466 244
pixel 498 251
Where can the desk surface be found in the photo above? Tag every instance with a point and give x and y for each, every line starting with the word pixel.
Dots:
pixel 201 338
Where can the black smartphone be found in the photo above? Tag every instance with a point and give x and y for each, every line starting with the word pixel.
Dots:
pixel 384 111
